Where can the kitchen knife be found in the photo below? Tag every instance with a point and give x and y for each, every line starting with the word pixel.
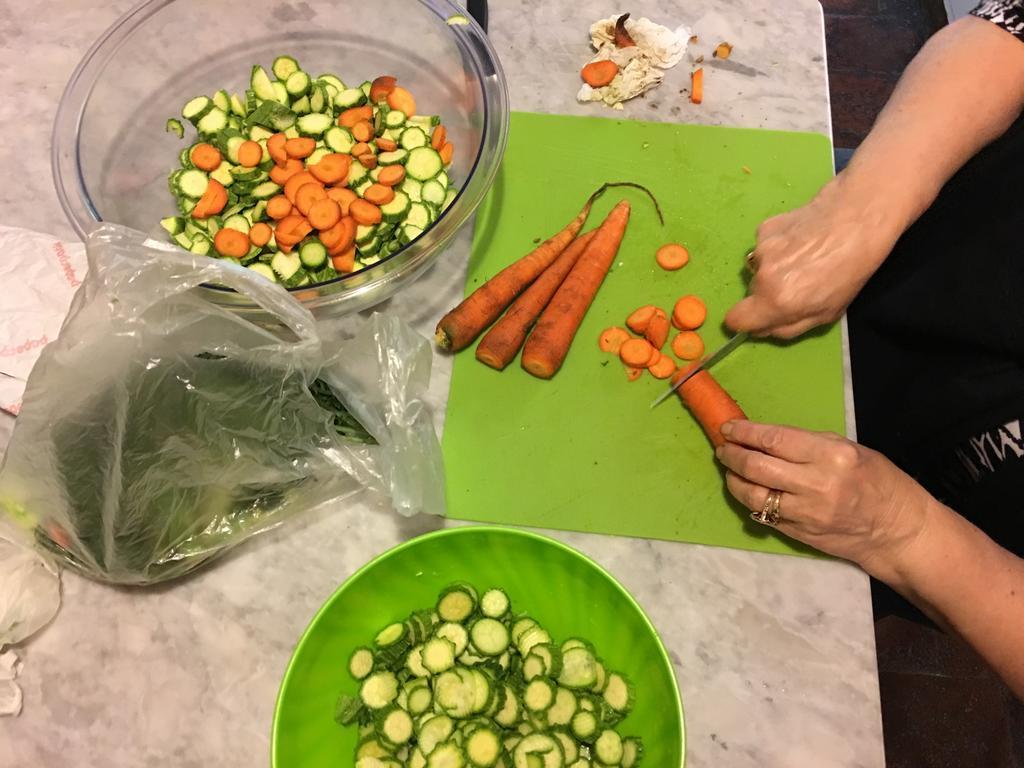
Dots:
pixel 707 362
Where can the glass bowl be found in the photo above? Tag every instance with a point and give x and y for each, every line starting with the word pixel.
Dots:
pixel 112 154
pixel 568 593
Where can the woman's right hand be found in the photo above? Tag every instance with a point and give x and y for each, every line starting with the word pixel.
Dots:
pixel 811 262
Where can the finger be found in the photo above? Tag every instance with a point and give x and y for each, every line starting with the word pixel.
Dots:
pixel 760 468
pixel 792 330
pixel 753 497
pixel 789 443
pixel 752 314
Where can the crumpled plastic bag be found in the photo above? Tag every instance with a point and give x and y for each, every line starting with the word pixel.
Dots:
pixel 159 430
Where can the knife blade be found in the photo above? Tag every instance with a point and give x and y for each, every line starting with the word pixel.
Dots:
pixel 708 361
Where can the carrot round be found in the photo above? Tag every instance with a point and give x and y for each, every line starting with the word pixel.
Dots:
pixel 501 344
pixel 386 145
pixel 205 157
pixel 307 195
pixel 280 174
pixel 231 242
pixel 276 150
pixel 350 117
pixel 663 368
pixel 439 137
pixel 343 197
pixel 689 313
pixel 361 148
pixel 632 374
pixel 401 99
pixel 598 74
pixel 457 329
pixel 368 160
pixel 687 345
pixel 378 194
pixel 391 175
pixel 639 319
pixel 324 214
pixel 637 352
pixel 672 256
pixel 709 403
pixel 549 343
pixel 259 234
pixel 300 147
pixel 250 154
pixel 446 152
pixel 345 261
pixel 657 329
pixel 612 339
pixel 331 168
pixel 362 131
pixel 278 207
pixel 381 87
pixel 300 179
pixel 364 212
pixel 341 235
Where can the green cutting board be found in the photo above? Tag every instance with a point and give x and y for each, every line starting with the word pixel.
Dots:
pixel 584 451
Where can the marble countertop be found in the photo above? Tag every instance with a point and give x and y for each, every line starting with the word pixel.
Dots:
pixel 775 655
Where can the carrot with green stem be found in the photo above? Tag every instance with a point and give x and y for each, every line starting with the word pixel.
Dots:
pixel 709 403
pixel 462 325
pixel 501 344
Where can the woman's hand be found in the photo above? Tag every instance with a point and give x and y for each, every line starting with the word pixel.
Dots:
pixel 837 496
pixel 810 263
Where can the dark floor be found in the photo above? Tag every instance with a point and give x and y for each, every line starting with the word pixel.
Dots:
pixel 869 43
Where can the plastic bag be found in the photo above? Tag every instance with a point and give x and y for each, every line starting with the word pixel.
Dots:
pixel 159 429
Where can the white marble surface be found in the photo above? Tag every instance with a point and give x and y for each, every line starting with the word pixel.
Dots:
pixel 774 655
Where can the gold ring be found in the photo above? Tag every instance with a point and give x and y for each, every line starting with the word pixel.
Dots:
pixel 751 263
pixel 769 514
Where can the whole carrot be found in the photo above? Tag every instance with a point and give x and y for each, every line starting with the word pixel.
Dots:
pixel 549 343
pixel 501 344
pixel 709 403
pixel 462 325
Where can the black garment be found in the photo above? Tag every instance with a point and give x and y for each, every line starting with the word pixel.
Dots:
pixel 937 350
pixel 1008 14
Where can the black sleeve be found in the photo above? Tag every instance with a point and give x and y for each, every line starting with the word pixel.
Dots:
pixel 1008 14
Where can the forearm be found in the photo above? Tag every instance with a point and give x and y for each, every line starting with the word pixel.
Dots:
pixel 963 89
pixel 965 581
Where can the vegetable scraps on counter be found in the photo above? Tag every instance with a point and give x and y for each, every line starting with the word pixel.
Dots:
pixel 467 682
pixel 306 179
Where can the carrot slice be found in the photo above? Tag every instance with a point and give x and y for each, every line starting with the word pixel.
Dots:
pixel 672 256
pixel 657 329
pixel 205 157
pixel 687 345
pixel 663 368
pixel 598 74
pixel 710 405
pixel 361 148
pixel 637 352
pixel 298 180
pixel 332 168
pixel 632 374
pixel 278 207
pixel 345 261
pixel 347 225
pixel 343 197
pixel 439 137
pixel 364 212
pixel 281 174
pixel 350 117
pixel 368 161
pixel 362 131
pixel 300 147
pixel 612 339
pixel 401 99
pixel 689 313
pixel 231 242
pixel 250 154
pixel 289 224
pixel 275 147
pixel 308 194
pixel 378 194
pixel 697 85
pixel 446 152
pixel 213 201
pixel 381 87
pixel 333 237
pixel 385 145
pixel 391 175
pixel 324 214
pixel 640 318
pixel 259 234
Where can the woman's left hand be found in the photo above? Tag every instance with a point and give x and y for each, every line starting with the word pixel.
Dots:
pixel 837 496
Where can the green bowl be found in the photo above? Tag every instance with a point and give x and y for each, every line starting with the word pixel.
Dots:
pixel 564 590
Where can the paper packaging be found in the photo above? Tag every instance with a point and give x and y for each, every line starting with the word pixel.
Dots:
pixel 39 274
